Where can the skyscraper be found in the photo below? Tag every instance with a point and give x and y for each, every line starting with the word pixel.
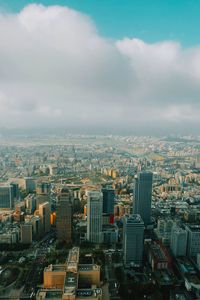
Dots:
pixel 30 201
pixel 6 197
pixel 26 233
pixel 193 241
pixel 108 200
pixel 94 216
pixel 43 188
pixel 64 216
pixel 133 239
pixel 143 193
pixel 45 213
pixel 178 242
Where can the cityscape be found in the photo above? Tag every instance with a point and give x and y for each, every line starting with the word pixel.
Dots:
pixel 99 217
pixel 99 150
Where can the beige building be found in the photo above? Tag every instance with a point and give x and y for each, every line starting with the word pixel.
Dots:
pixel 54 276
pixel 61 282
pixel 45 215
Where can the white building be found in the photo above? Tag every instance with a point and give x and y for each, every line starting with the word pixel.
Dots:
pixel 193 245
pixel 178 243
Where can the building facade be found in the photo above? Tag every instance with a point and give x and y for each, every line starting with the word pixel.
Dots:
pixel 94 216
pixel 64 216
pixel 133 239
pixel 193 244
pixel 108 200
pixel 6 197
pixel 178 243
pixel 143 194
pixel 45 214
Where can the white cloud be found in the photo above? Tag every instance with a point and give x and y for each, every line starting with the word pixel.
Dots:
pixel 55 70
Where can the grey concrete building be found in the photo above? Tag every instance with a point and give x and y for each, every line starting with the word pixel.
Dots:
pixel 133 239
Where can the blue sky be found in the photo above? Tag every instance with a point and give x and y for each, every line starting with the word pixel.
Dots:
pixel 149 20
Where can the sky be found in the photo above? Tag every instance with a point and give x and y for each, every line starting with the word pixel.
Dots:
pixel 114 65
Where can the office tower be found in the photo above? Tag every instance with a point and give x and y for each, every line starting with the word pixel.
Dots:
pixel 94 216
pixel 193 243
pixel 30 201
pixel 64 216
pixel 43 188
pixel 133 239
pixel 143 192
pixel 164 230
pixel 37 226
pixel 26 233
pixel 15 187
pixel 178 243
pixel 45 214
pixel 108 200
pixel 29 184
pixel 157 256
pixel 6 197
pixel 41 199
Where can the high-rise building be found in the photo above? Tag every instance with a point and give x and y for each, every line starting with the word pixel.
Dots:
pixel 143 193
pixel 30 201
pixel 26 233
pixel 94 216
pixel 15 187
pixel 45 214
pixel 37 226
pixel 193 244
pixel 178 243
pixel 133 239
pixel 41 199
pixel 64 216
pixel 108 200
pixel 29 184
pixel 43 188
pixel 6 197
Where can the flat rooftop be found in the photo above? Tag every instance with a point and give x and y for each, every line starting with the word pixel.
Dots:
pixel 55 268
pixel 50 294
pixel 73 256
pixel 71 279
pixel 88 267
pixel 158 252
pixel 87 293
pixel 194 228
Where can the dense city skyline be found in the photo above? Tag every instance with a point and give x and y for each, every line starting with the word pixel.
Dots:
pixel 61 68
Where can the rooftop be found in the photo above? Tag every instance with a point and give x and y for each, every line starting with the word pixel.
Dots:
pixel 88 267
pixel 55 268
pixel 157 252
pixel 194 228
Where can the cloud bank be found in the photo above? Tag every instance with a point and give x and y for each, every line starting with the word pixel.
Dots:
pixel 57 71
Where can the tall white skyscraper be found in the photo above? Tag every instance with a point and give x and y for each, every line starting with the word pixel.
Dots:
pixel 94 216
pixel 133 239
